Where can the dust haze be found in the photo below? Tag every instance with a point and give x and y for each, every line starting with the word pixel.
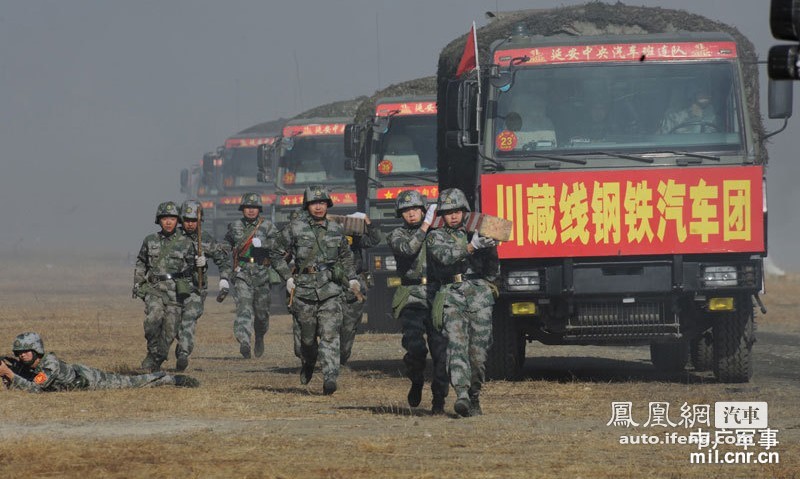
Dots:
pixel 103 102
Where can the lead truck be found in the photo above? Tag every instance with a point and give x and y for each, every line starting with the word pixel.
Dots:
pixel 632 166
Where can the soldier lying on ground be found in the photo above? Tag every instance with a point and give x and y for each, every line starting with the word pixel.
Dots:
pixel 40 372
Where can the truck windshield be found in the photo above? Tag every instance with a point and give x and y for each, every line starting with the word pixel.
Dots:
pixel 239 166
pixel 408 147
pixel 314 160
pixel 619 107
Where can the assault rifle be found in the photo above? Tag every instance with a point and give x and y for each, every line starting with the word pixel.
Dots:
pixel 17 367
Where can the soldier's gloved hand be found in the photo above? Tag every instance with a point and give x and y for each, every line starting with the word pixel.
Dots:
pixel 290 285
pixel 200 261
pixel 224 284
pixel 430 214
pixel 355 285
pixel 479 242
pixel 256 242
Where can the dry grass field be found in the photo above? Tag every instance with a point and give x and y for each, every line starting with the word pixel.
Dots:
pixel 252 418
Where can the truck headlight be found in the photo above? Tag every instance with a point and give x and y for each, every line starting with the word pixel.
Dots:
pixel 719 276
pixel 523 281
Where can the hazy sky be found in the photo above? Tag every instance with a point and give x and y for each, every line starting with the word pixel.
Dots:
pixel 103 102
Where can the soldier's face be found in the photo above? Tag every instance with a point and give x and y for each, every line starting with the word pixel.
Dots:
pixel 318 209
pixel 250 212
pixel 412 216
pixel 453 218
pixel 190 225
pixel 168 223
pixel 28 357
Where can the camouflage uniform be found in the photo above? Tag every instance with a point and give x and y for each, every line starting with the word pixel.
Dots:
pixel 161 278
pixel 320 251
pixel 466 299
pixel 53 374
pixel 353 309
pixel 251 276
pixel 193 305
pixel 412 307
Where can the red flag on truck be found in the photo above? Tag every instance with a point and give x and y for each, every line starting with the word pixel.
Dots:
pixel 469 59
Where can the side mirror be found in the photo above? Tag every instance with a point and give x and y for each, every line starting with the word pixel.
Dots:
pixel 208 163
pixel 264 160
pixel 184 180
pixel 350 139
pixel 780 95
pixel 461 105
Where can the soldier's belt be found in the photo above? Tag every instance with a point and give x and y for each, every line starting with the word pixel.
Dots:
pixel 460 278
pixel 317 268
pixel 164 277
pixel 264 262
pixel 413 282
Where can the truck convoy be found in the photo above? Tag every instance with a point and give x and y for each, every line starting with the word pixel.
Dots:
pixel 309 151
pixel 392 145
pixel 626 145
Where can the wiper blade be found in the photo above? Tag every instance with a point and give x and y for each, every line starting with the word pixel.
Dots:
pixel 618 155
pixel 576 161
pixel 409 175
pixel 697 156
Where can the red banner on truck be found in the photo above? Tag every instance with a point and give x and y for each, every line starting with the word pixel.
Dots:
pixel 632 212
pixel 406 108
pixel 315 129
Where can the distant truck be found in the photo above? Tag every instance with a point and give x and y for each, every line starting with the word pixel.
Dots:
pixel 632 165
pixel 392 146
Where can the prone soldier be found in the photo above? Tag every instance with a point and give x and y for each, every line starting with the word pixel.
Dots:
pixel 463 268
pixel 411 303
pixel 251 238
pixel 191 218
pixel 324 264
pixel 44 372
pixel 161 278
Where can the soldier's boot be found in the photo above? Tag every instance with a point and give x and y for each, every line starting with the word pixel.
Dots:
pixel 415 392
pixel 183 381
pixel 150 363
pixel 182 363
pixel 462 404
pixel 244 349
pixel 329 387
pixel 438 405
pixel 475 405
pixel 258 349
pixel 306 372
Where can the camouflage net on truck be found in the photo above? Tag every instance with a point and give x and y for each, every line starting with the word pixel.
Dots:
pixel 330 110
pixel 598 18
pixel 416 87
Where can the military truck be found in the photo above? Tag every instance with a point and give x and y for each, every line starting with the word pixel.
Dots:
pixel 392 145
pixel 627 147
pixel 309 151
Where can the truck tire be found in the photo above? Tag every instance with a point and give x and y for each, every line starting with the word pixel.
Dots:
pixel 701 352
pixel 669 357
pixel 506 356
pixel 734 335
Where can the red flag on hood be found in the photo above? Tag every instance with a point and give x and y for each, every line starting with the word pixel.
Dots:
pixel 469 59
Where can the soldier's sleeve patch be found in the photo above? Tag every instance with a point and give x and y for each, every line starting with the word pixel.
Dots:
pixel 40 378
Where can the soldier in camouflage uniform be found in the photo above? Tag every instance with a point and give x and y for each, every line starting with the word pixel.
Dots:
pixel 162 278
pixel 411 304
pixel 45 372
pixel 191 215
pixel 251 240
pixel 353 307
pixel 463 267
pixel 323 266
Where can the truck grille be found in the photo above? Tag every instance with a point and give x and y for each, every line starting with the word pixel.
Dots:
pixel 610 321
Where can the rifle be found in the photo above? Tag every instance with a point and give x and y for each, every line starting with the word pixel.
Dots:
pixel 199 247
pixel 17 367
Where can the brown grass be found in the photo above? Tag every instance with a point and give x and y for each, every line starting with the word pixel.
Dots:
pixel 253 418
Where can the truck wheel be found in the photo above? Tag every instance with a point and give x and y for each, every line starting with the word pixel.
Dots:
pixel 507 354
pixel 669 357
pixel 701 352
pixel 734 335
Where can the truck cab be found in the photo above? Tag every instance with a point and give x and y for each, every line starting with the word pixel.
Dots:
pixel 392 151
pixel 634 175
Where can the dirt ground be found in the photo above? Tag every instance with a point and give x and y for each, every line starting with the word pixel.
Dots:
pixel 252 418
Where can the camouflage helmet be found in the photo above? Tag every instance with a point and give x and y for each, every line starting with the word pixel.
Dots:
pixel 167 208
pixel 452 199
pixel 316 193
pixel 251 200
pixel 28 342
pixel 409 199
pixel 192 210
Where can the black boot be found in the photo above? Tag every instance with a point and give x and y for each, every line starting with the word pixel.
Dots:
pixel 415 392
pixel 182 363
pixel 258 350
pixel 438 405
pixel 329 387
pixel 462 406
pixel 244 350
pixel 306 372
pixel 475 405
